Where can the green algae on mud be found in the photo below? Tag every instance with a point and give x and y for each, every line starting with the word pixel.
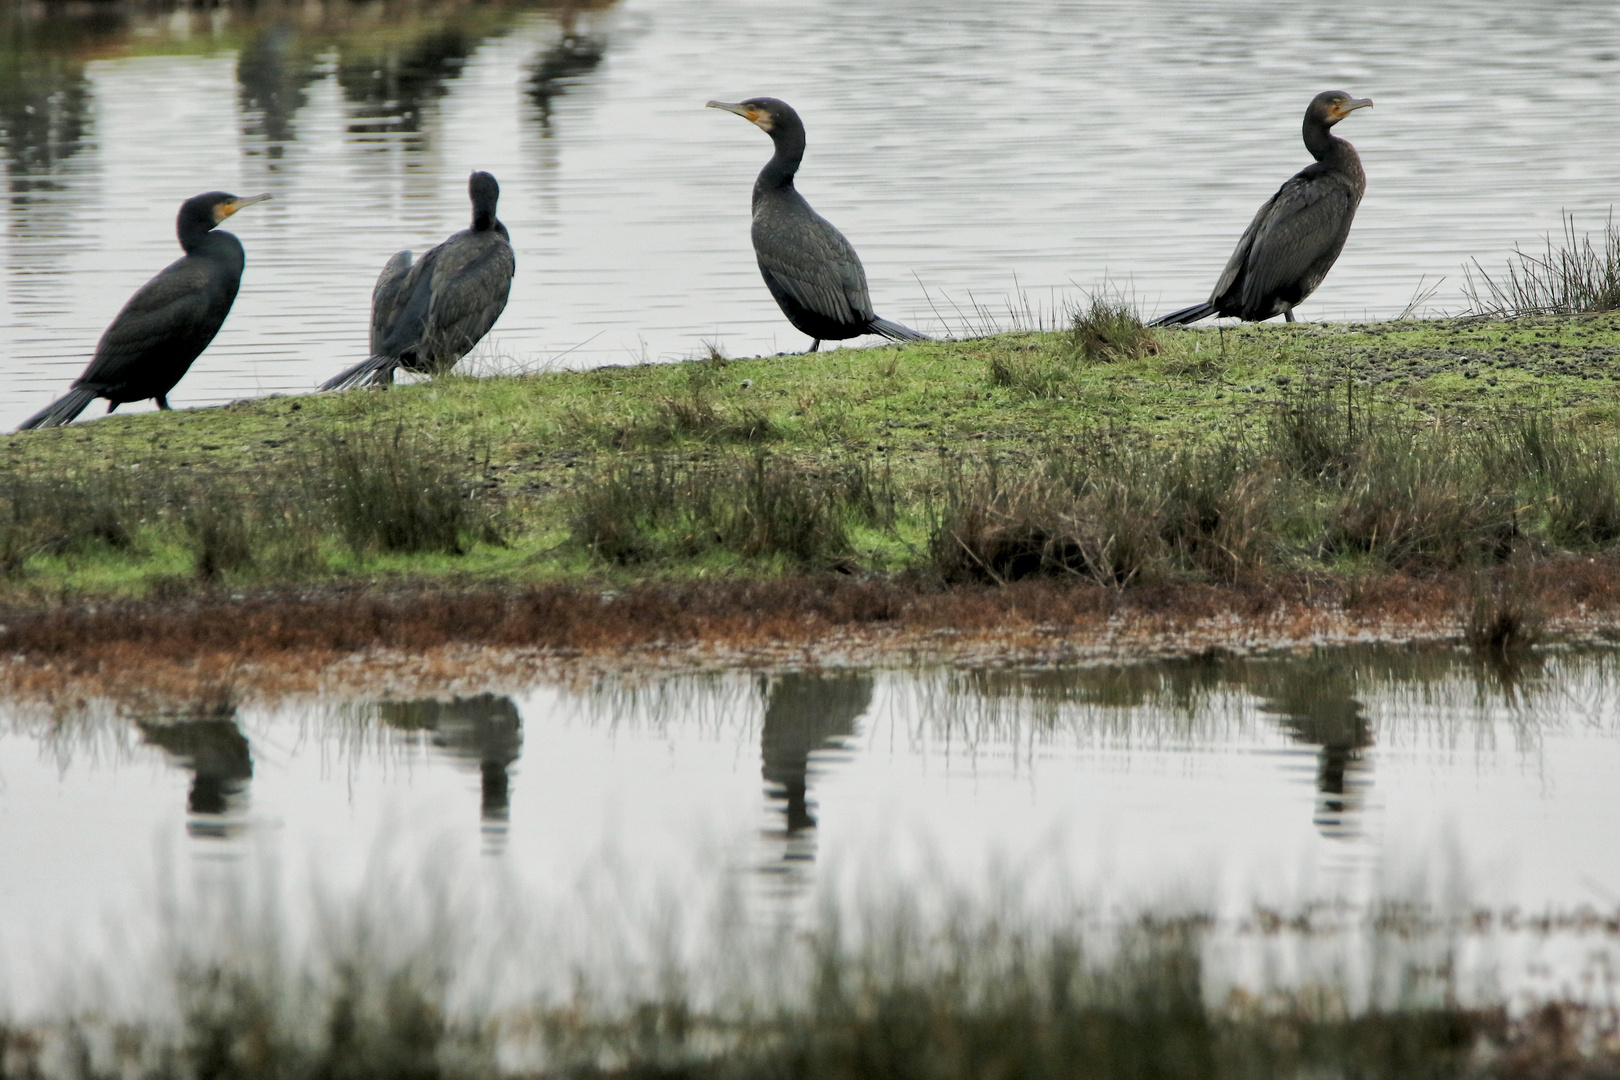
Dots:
pixel 865 441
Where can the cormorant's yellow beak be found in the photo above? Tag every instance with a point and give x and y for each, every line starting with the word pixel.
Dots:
pixel 1342 111
pixel 751 113
pixel 226 209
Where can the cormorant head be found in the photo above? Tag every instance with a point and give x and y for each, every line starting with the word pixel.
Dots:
pixel 1331 106
pixel 200 213
pixel 484 192
pixel 769 114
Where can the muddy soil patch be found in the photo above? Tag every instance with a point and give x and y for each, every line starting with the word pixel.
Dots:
pixel 348 640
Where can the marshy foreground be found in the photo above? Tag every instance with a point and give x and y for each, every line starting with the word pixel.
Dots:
pixel 257 593
pixel 1041 495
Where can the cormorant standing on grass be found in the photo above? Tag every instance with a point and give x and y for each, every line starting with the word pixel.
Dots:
pixel 1293 241
pixel 811 270
pixel 427 315
pixel 168 322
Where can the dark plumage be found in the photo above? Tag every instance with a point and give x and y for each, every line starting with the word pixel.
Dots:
pixel 168 322
pixel 1293 241
pixel 811 270
pixel 427 315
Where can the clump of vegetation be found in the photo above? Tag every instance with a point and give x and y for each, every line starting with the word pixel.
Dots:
pixel 1577 277
pixel 1031 371
pixel 373 489
pixel 1572 478
pixel 389 491
pixel 1313 439
pixel 1221 513
pixel 763 506
pixel 696 413
pixel 1424 501
pixel 1110 328
pixel 68 512
pixel 992 528
pixel 1113 517
pixel 221 535
pixel 1502 617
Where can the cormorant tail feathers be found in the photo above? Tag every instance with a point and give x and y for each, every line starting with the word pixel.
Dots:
pixel 62 410
pixel 895 332
pixel 370 371
pixel 1186 315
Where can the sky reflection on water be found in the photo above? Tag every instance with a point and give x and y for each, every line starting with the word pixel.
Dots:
pixel 1336 778
pixel 969 151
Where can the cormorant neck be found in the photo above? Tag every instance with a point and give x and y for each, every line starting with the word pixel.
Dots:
pixel 194 236
pixel 1320 141
pixel 484 220
pixel 778 172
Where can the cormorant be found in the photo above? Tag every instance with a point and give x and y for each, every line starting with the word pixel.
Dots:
pixel 168 322
pixel 811 270
pixel 1293 241
pixel 427 315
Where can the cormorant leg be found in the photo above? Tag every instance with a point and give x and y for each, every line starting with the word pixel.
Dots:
pixel 163 402
pixel 816 344
pixel 1288 313
pixel 111 405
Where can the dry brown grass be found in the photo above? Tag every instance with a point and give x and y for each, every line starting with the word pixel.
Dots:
pixel 285 642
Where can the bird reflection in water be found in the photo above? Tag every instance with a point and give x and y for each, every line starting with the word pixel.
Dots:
pixel 804 713
pixel 216 753
pixel 1315 703
pixel 562 67
pixel 274 72
pixel 486 730
pixel 389 89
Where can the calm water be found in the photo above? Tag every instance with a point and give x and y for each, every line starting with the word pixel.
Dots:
pixel 1339 779
pixel 971 151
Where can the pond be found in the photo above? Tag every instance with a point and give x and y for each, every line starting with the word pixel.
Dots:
pixel 991 163
pixel 1339 781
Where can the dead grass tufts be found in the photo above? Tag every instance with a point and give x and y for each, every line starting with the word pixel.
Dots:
pixel 1066 519
pixel 1114 517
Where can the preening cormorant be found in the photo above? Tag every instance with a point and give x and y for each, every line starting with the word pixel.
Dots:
pixel 1293 241
pixel 427 315
pixel 811 270
pixel 168 322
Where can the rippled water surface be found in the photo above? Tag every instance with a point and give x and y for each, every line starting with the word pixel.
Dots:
pixel 1338 778
pixel 974 153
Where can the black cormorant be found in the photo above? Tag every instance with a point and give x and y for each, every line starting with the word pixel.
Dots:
pixel 168 322
pixel 427 315
pixel 1293 241
pixel 809 267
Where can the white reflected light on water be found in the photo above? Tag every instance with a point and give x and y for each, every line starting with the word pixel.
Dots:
pixel 968 150
pixel 1339 779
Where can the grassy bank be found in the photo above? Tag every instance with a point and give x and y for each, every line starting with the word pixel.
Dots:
pixel 1109 456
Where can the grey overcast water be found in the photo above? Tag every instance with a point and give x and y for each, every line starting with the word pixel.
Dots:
pixel 1334 781
pixel 973 153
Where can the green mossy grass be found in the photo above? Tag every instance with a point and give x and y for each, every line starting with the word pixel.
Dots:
pixel 523 452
